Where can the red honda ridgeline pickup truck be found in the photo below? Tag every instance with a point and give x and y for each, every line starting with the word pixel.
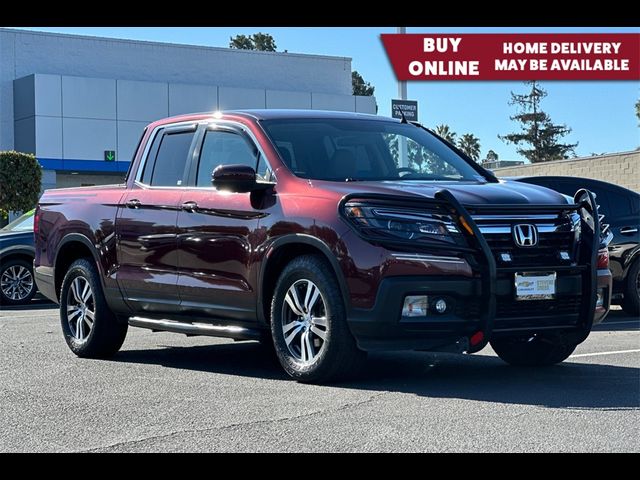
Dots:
pixel 312 231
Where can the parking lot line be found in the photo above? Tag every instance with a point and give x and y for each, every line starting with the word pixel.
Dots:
pixel 614 352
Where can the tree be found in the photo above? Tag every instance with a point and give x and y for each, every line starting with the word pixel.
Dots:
pixel 491 156
pixel 470 144
pixel 264 42
pixel 20 179
pixel 258 41
pixel 445 132
pixel 638 109
pixel 359 86
pixel 241 42
pixel 537 130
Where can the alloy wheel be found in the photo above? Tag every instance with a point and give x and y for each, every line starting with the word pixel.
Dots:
pixel 304 321
pixel 80 309
pixel 16 282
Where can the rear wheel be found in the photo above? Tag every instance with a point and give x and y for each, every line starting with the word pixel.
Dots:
pixel 631 302
pixel 534 351
pixel 308 324
pixel 90 328
pixel 16 282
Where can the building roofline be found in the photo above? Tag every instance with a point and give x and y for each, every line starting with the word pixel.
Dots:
pixel 576 159
pixel 168 44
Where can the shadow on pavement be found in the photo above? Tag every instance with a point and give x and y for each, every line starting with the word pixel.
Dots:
pixel 35 304
pixel 617 320
pixel 473 377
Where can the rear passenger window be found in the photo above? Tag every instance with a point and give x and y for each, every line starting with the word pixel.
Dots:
pixel 570 188
pixel 602 199
pixel 168 169
pixel 619 204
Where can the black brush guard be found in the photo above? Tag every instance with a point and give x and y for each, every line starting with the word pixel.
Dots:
pixel 584 204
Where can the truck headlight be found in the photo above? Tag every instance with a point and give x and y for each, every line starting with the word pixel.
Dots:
pixel 407 225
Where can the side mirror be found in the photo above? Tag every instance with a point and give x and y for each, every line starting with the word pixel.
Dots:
pixel 237 178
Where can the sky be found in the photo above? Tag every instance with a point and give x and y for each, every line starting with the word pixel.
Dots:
pixel 601 114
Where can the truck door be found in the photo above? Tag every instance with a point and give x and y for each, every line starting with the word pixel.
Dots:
pixel 146 224
pixel 218 232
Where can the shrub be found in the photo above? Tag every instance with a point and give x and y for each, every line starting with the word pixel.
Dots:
pixel 20 181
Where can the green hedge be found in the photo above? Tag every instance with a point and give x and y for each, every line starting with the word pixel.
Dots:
pixel 20 182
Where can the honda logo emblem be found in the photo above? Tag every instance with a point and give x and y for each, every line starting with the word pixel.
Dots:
pixel 525 235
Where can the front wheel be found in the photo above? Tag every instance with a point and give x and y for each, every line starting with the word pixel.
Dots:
pixel 534 351
pixel 90 328
pixel 308 324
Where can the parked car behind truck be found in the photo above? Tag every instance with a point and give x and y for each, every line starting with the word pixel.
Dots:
pixel 307 230
pixel 621 209
pixel 17 286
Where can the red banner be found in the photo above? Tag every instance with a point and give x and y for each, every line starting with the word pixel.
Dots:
pixel 535 56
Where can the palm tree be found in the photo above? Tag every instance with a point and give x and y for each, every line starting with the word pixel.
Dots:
pixel 470 144
pixel 445 132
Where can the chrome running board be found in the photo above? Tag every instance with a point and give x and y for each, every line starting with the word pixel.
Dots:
pixel 164 325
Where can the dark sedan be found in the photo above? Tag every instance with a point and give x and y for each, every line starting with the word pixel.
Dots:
pixel 621 209
pixel 16 261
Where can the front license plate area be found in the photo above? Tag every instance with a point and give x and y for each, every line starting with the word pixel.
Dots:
pixel 535 285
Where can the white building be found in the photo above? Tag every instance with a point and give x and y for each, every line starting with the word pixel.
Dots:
pixel 72 100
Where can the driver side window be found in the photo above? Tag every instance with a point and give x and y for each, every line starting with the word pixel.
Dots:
pixel 225 148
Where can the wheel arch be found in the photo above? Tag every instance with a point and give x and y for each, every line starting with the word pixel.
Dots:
pixel 279 254
pixel 72 247
pixel 17 252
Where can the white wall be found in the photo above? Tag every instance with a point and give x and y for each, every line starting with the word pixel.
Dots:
pixel 76 96
pixel 78 118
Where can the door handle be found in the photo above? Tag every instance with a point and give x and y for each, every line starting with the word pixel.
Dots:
pixel 190 206
pixel 133 203
pixel 628 230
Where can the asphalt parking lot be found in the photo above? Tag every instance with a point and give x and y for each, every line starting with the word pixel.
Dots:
pixel 168 392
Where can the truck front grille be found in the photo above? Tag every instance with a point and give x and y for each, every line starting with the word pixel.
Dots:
pixel 556 234
pixel 547 252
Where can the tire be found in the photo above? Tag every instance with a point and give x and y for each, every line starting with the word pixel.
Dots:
pixel 81 298
pixel 536 351
pixel 631 301
pixel 17 285
pixel 320 346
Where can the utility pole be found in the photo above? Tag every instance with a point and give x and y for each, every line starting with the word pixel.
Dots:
pixel 402 93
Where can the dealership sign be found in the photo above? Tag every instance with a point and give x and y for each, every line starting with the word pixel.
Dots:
pixel 538 56
pixel 408 108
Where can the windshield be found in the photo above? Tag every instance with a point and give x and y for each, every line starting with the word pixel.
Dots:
pixel 360 150
pixel 23 223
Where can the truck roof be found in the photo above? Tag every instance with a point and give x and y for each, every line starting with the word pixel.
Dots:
pixel 269 114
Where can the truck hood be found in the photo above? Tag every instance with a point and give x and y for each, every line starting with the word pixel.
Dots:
pixel 15 234
pixel 468 193
pixel 15 238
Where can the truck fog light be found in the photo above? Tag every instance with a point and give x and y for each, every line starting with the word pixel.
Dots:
pixel 415 306
pixel 441 306
pixel 600 298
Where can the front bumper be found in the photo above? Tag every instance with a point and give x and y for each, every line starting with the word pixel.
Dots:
pixel 383 328
pixel 485 306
